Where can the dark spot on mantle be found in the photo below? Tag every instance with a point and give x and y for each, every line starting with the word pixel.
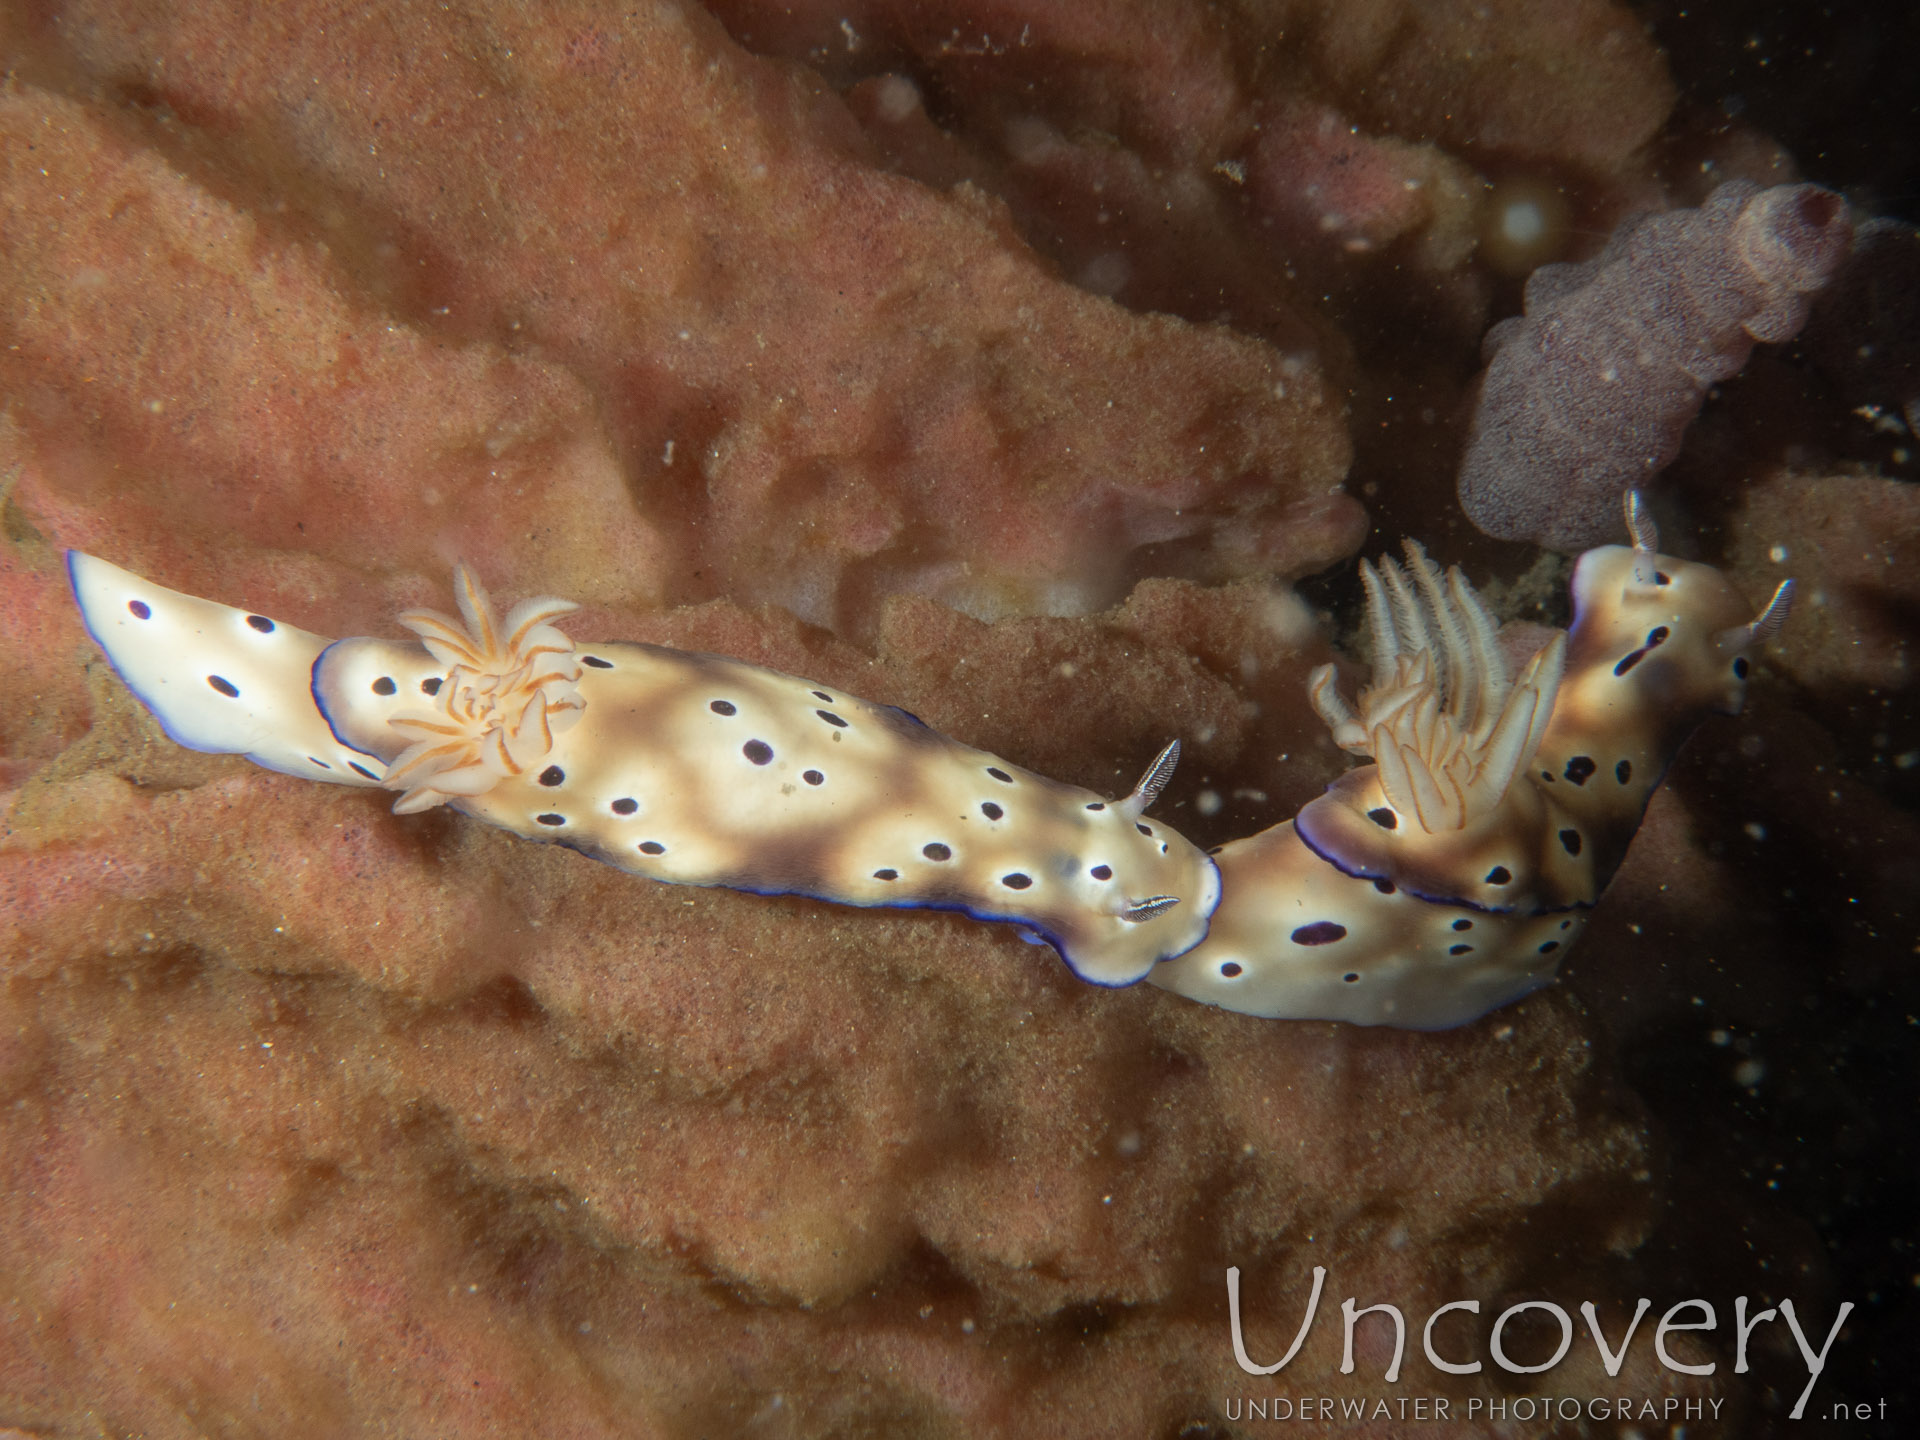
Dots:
pixel 1320 932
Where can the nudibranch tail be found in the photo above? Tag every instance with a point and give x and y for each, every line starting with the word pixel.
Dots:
pixel 218 679
pixel 1296 938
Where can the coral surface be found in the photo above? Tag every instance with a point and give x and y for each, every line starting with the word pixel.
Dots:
pixel 1010 362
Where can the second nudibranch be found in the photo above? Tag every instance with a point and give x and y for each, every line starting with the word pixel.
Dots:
pixel 1448 877
pixel 689 768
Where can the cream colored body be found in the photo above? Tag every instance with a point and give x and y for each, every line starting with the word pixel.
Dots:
pixel 1357 911
pixel 1421 891
pixel 1396 961
pixel 726 773
pixel 218 679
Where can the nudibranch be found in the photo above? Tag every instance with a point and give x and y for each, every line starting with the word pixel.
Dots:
pixel 695 769
pixel 1447 878
pixel 1441 880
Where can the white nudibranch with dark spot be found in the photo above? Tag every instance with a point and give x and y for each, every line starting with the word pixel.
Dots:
pixel 695 769
pixel 1448 877
pixel 1441 881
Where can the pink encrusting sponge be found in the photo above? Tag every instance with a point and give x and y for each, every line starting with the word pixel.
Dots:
pixel 1589 393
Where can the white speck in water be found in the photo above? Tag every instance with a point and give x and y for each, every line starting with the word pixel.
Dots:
pixel 1522 222
pixel 895 98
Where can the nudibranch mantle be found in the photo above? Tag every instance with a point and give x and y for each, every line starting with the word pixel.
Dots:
pixel 1296 938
